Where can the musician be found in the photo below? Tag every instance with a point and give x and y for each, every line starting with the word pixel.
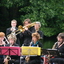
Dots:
pixel 59 45
pixel 2 42
pixel 12 42
pixel 26 35
pixel 35 43
pixel 12 29
pixel 37 29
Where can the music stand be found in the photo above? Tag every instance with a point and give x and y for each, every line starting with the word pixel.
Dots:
pixel 50 52
pixel 31 51
pixel 4 51
pixel 15 51
pixel 10 51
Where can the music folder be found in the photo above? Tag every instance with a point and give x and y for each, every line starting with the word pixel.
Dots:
pixel 50 52
pixel 10 51
pixel 32 51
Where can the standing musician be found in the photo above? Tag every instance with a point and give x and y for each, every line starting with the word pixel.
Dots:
pixel 26 35
pixel 59 45
pixel 12 59
pixel 35 43
pixel 37 29
pixel 12 29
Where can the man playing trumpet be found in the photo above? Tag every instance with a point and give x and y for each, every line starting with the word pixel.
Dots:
pixel 12 30
pixel 26 35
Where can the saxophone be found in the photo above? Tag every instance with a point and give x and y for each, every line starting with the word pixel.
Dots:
pixel 7 59
pixel 54 46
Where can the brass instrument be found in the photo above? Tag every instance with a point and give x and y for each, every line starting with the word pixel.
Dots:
pixel 54 46
pixel 7 59
pixel 22 28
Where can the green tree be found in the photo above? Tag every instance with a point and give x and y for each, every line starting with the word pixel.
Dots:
pixel 49 12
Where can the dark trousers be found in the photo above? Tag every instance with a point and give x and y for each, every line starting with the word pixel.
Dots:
pixel 13 62
pixel 1 61
pixel 33 62
pixel 57 60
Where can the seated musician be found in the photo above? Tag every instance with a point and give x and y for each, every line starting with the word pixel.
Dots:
pixel 59 45
pixel 12 59
pixel 35 43
pixel 2 35
pixel 2 43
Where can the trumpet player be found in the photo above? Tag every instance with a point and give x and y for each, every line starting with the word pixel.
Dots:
pixel 12 29
pixel 26 35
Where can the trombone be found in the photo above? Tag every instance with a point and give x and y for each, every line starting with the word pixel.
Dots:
pixel 22 28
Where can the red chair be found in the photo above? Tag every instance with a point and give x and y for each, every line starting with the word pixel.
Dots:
pixel 45 58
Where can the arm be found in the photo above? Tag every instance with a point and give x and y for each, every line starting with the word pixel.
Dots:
pixel 8 31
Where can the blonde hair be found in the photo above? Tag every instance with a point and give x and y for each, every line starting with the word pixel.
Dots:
pixel 11 36
pixel 38 23
pixel 36 35
pixel 2 34
pixel 14 21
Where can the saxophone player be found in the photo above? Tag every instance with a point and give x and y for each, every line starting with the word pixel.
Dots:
pixel 37 29
pixel 59 45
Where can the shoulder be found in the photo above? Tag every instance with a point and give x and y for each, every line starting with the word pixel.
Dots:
pixel 16 28
pixel 40 31
pixel 40 44
pixel 7 45
pixel 16 45
pixel 8 28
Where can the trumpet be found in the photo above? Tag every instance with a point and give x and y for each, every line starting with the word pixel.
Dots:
pixel 22 28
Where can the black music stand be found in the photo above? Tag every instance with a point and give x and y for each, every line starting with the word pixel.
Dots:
pixel 50 52
pixel 10 51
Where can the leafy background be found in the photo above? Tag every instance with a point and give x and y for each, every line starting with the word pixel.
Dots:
pixel 49 12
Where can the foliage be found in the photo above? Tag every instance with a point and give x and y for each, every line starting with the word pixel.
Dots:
pixel 49 12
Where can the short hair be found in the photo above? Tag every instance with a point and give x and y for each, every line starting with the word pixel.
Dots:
pixel 14 20
pixel 38 23
pixel 61 35
pixel 28 20
pixel 2 34
pixel 36 35
pixel 11 36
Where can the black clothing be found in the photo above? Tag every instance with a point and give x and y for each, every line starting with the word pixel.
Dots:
pixel 14 59
pixel 35 59
pixel 27 36
pixel 1 56
pixel 8 31
pixel 60 58
pixel 12 45
pixel 40 32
